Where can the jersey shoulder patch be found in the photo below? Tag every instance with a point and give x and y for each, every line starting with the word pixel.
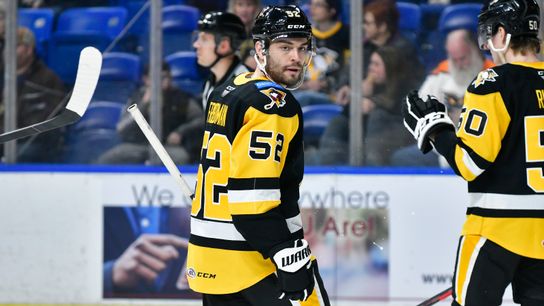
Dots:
pixel 487 81
pixel 275 93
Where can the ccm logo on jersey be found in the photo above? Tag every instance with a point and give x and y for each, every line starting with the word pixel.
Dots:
pixel 192 274
pixel 277 97
pixel 488 75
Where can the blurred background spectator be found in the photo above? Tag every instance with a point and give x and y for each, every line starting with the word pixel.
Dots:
pixel 332 43
pixel 448 82
pixel 247 10
pixel 40 94
pixel 182 123
pixel 388 80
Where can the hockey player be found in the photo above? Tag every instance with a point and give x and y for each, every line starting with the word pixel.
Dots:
pixel 499 150
pixel 218 38
pixel 247 245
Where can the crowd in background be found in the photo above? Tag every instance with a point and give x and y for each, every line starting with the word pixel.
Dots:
pixel 393 65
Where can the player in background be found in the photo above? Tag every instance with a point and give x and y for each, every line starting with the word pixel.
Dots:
pixel 217 41
pixel 247 245
pixel 499 150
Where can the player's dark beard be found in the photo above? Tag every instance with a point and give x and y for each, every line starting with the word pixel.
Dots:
pixel 276 72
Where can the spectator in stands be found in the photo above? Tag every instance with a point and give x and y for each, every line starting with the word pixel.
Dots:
pixel 40 94
pixel 452 76
pixel 247 10
pixel 388 80
pixel 219 37
pixel 448 82
pixel 182 123
pixel 332 42
pixel 380 28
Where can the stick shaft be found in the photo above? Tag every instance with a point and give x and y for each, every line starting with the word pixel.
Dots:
pixel 159 149
pixel 437 297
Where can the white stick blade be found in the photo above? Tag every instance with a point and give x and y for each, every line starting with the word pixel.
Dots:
pixel 88 71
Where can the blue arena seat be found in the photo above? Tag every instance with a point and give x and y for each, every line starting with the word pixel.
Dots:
pixel 409 20
pixel 316 118
pixel 460 16
pixel 40 21
pixel 178 24
pixel 106 20
pixel 99 115
pixel 88 145
pixel 78 28
pixel 94 134
pixel 119 77
pixel 185 71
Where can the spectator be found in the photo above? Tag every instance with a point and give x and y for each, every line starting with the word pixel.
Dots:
pixel 380 28
pixel 448 82
pixel 388 80
pixel 247 10
pixel 219 37
pixel 332 42
pixel 181 118
pixel 452 76
pixel 40 94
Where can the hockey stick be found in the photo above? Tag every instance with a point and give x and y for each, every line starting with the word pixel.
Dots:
pixel 159 149
pixel 437 298
pixel 88 71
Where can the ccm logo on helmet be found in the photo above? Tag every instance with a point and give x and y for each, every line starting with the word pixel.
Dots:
pixel 295 26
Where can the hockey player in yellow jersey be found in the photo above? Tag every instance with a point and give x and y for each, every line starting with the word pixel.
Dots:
pixel 499 150
pixel 247 245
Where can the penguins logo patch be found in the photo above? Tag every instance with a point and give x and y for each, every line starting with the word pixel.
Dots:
pixel 488 75
pixel 277 97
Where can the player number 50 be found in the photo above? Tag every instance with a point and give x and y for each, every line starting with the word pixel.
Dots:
pixel 534 151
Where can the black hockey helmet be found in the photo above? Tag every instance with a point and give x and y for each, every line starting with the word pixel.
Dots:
pixel 518 17
pixel 224 24
pixel 281 21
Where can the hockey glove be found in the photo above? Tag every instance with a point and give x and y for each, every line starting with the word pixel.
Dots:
pixel 423 118
pixel 294 269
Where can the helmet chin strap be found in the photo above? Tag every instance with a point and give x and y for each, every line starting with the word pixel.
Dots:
pixel 500 52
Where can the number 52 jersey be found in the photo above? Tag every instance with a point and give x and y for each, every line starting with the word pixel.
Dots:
pixel 247 190
pixel 500 152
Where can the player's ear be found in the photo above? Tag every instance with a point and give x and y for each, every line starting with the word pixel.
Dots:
pixel 259 49
pixel 224 46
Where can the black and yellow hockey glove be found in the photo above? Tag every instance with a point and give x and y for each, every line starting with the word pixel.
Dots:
pixel 294 269
pixel 423 118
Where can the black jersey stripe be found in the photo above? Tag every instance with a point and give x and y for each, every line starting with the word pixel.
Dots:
pixel 505 213
pixel 254 183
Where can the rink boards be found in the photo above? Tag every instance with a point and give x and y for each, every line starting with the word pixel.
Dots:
pixel 379 234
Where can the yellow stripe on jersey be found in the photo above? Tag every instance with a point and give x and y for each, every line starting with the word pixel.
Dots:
pixel 523 236
pixel 484 123
pixel 259 151
pixel 215 277
pixel 468 251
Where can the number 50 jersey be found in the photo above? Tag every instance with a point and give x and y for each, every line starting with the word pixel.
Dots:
pixel 247 190
pixel 499 150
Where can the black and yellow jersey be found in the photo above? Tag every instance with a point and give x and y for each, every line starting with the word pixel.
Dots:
pixel 247 190
pixel 499 150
